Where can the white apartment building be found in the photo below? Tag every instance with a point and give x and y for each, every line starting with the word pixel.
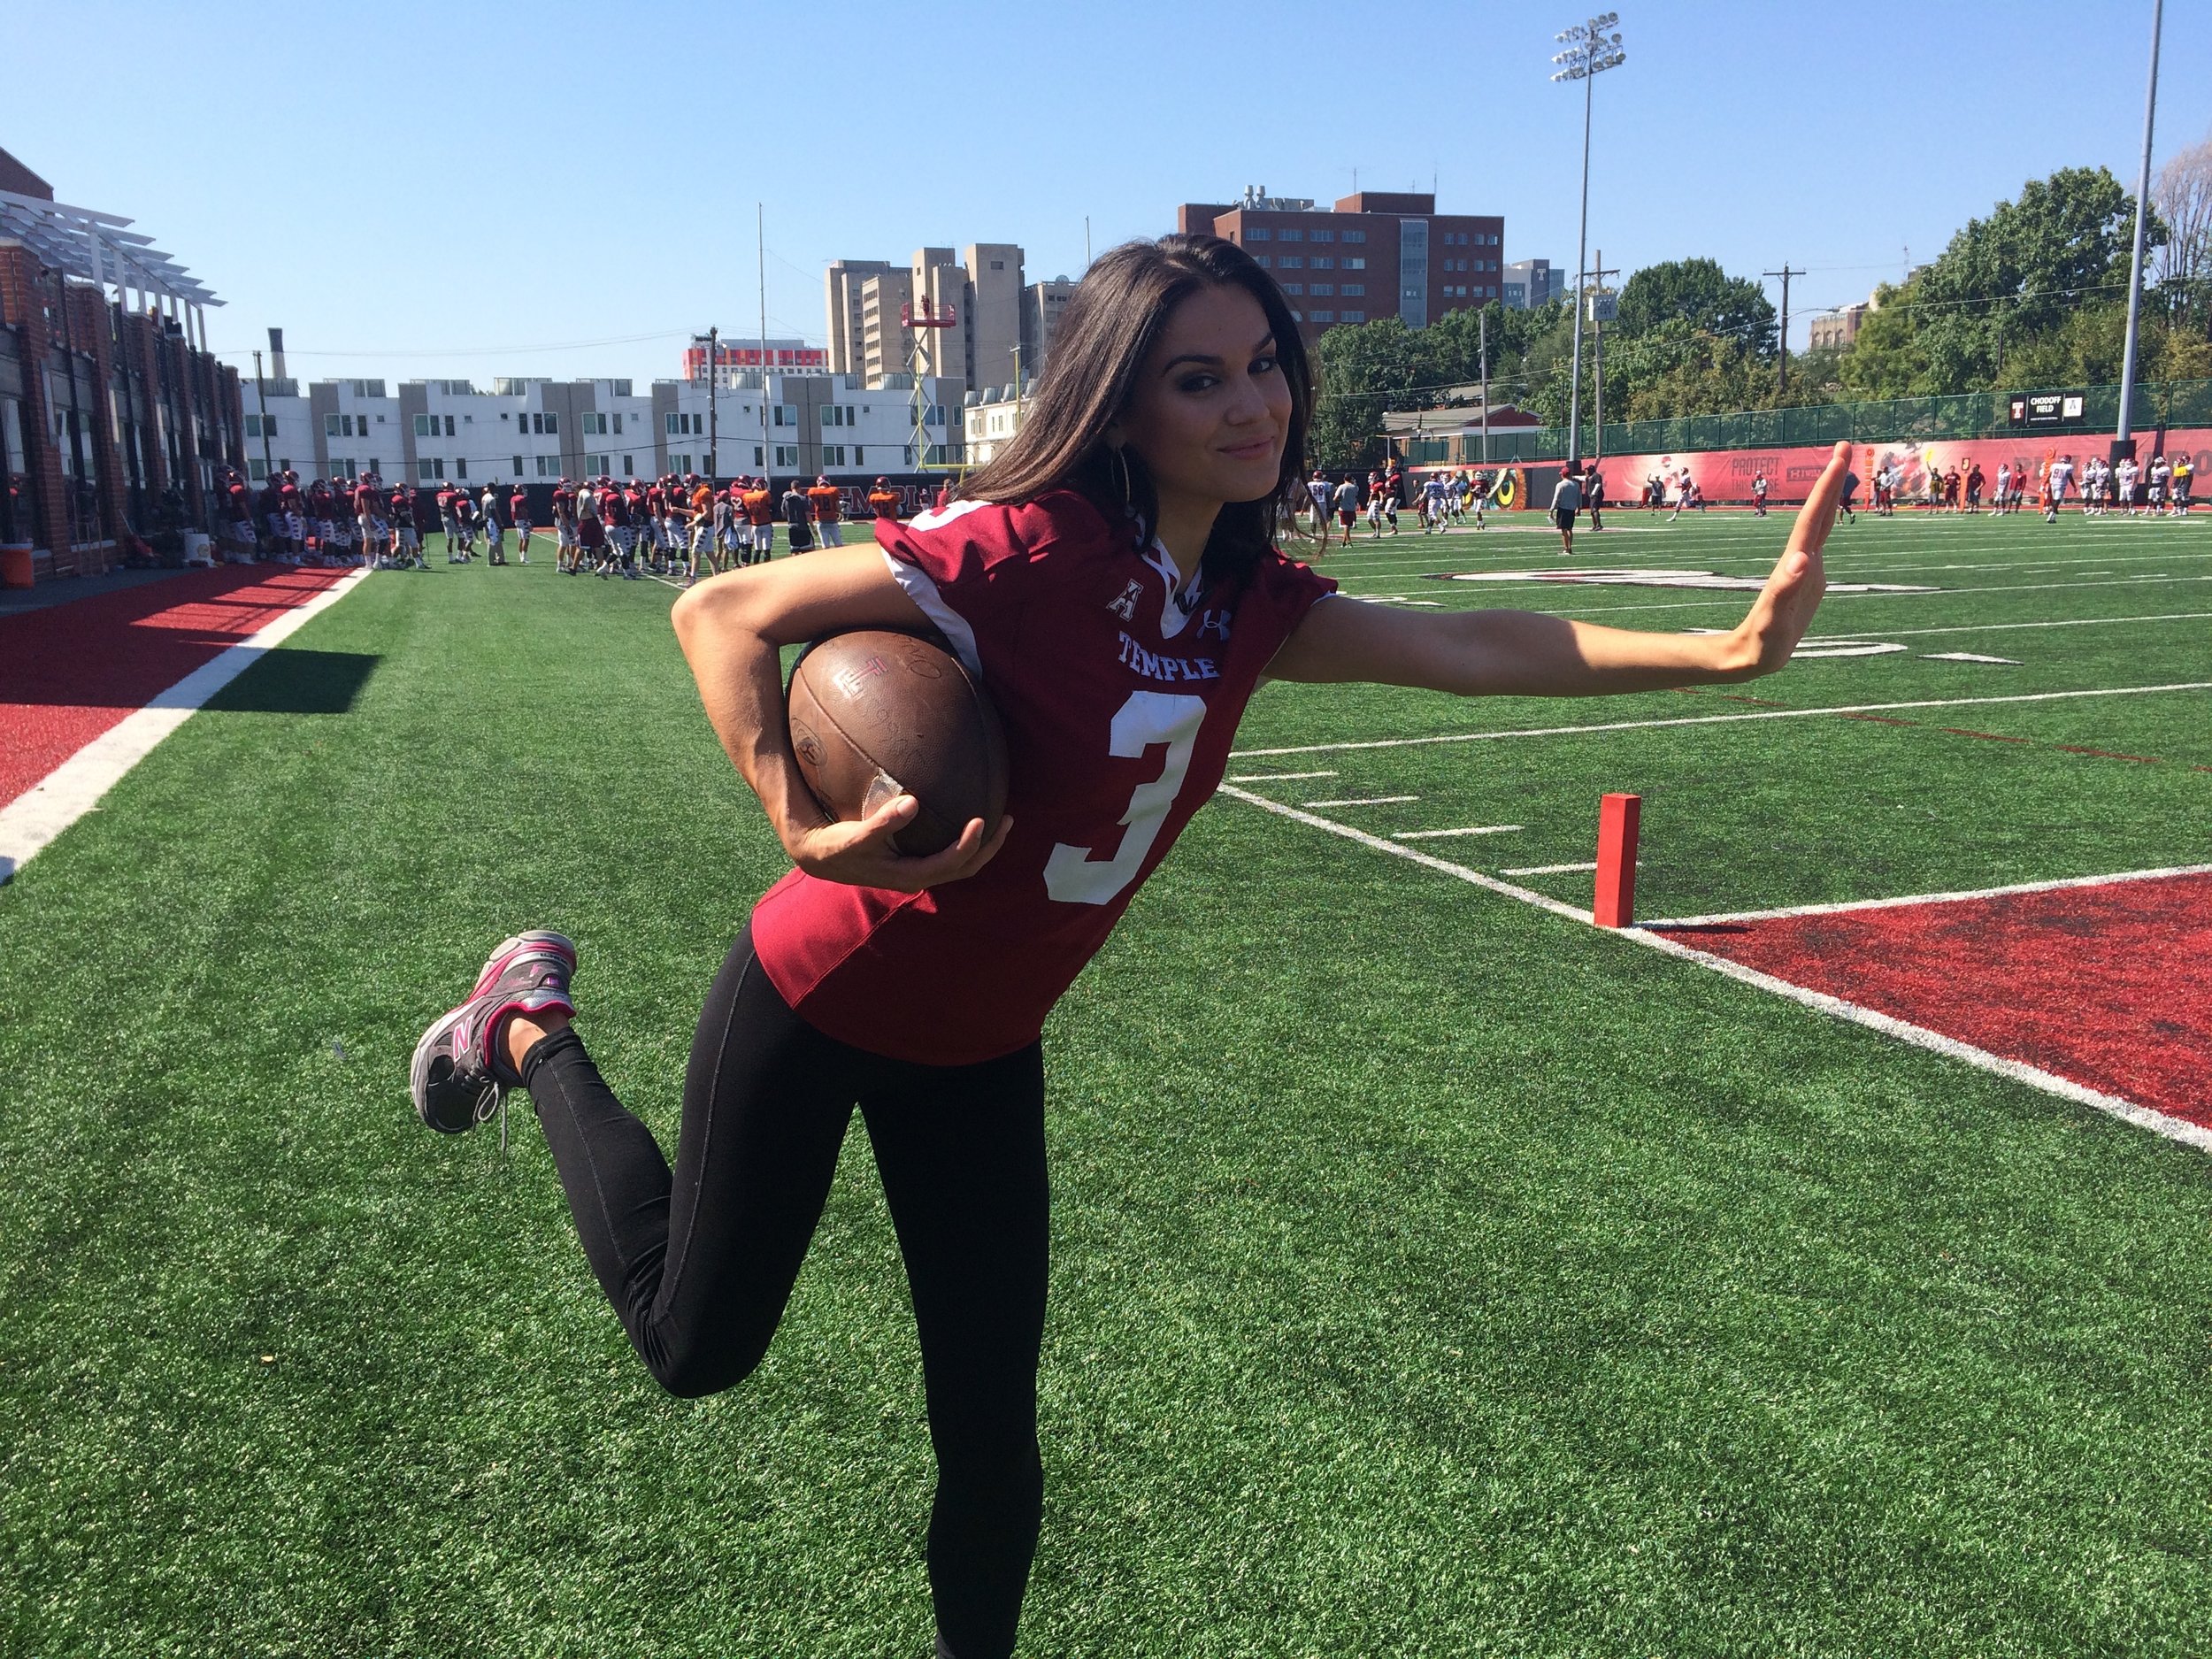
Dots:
pixel 537 431
pixel 991 417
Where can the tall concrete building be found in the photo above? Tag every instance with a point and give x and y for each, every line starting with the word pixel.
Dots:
pixel 1529 283
pixel 982 292
pixel 842 284
pixel 1375 254
pixel 1041 305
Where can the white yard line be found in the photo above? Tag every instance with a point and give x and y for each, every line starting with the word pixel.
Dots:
pixel 2049 1083
pixel 2076 622
pixel 1714 719
pixel 1371 800
pixel 30 821
pixel 1931 898
pixel 1734 599
pixel 1281 777
pixel 1472 829
pixel 1551 870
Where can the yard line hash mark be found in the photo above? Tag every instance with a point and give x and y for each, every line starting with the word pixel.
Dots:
pixel 1366 800
pixel 1472 829
pixel 1280 777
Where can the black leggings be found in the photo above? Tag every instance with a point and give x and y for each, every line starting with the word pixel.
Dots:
pixel 700 1267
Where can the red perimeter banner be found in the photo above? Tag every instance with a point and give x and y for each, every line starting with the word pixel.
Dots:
pixel 1723 476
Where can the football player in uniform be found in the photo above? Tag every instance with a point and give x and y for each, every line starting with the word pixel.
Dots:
pixel 1111 578
pixel 829 513
pixel 883 500
pixel 519 510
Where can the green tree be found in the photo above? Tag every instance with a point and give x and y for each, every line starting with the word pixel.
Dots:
pixel 1361 373
pixel 1698 291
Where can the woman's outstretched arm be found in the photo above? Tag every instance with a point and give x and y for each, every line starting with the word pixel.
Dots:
pixel 1528 654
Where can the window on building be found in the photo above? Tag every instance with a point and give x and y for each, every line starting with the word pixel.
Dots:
pixel 671 425
pixel 518 466
pixel 596 464
pixel 1321 317
pixel 1354 235
pixel 998 265
pixel 330 425
pixel 757 460
pixel 833 455
pixel 618 422
pixel 429 468
pixel 1249 235
pixel 1293 262
pixel 1321 262
pixel 449 426
pixel 1294 287
pixel 1290 236
pixel 1352 288
pixel 553 424
pixel 1351 317
pixel 1263 261
pixel 629 467
pixel 1322 289
pixel 787 455
pixel 422 425
pixel 256 469
pixel 261 426
pixel 1356 265
pixel 548 466
pixel 787 415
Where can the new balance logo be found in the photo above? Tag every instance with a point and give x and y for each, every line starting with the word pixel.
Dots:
pixel 1125 607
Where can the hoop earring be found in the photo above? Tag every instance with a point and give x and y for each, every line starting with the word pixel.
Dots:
pixel 1128 495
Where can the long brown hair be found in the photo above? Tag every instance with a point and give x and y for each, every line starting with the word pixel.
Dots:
pixel 1111 321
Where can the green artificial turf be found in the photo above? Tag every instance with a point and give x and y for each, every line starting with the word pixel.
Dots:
pixel 1433 1276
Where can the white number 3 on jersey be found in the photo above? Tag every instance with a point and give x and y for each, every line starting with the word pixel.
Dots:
pixel 1072 875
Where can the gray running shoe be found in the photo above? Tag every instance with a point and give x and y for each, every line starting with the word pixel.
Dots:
pixel 459 1077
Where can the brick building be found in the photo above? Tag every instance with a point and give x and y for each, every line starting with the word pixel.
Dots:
pixel 1374 254
pixel 113 417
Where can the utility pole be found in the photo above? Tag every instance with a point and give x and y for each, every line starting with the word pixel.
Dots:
pixel 2125 438
pixel 1591 51
pixel 1782 383
pixel 714 375
pixel 1482 365
pixel 261 394
pixel 1599 318
pixel 760 243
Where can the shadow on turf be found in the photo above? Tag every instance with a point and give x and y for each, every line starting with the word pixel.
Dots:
pixel 297 682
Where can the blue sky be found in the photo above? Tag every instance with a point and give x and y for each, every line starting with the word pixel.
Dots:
pixel 466 191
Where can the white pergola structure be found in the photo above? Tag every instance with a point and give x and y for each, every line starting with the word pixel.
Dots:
pixel 98 248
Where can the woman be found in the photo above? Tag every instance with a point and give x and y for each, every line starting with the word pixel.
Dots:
pixel 1110 576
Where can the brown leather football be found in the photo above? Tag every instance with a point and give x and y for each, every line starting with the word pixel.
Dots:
pixel 875 713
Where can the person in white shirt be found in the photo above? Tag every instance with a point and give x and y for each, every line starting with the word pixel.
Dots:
pixel 2126 473
pixel 2056 480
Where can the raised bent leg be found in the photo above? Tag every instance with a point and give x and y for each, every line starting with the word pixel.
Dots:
pixel 699 1263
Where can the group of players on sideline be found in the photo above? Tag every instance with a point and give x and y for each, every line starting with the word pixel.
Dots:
pixel 683 527
pixel 669 527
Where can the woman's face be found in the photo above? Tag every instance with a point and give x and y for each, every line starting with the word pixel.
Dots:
pixel 1211 409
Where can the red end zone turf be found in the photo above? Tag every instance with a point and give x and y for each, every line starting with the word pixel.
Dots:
pixel 70 672
pixel 2109 987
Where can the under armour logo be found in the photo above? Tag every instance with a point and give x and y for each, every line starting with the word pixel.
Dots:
pixel 1216 623
pixel 1125 607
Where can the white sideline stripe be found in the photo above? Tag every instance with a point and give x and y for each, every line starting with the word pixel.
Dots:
pixel 2125 1110
pixel 1921 1037
pixel 1551 870
pixel 1718 719
pixel 1472 829
pixel 1933 898
pixel 30 821
pixel 2076 622
pixel 1367 800
pixel 1426 860
pixel 1280 777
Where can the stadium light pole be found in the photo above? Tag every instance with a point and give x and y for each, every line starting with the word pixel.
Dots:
pixel 2125 439
pixel 1593 48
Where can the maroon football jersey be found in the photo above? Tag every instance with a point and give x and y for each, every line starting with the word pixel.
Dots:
pixel 1120 695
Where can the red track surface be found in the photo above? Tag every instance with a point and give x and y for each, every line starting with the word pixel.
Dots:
pixel 2107 986
pixel 70 672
